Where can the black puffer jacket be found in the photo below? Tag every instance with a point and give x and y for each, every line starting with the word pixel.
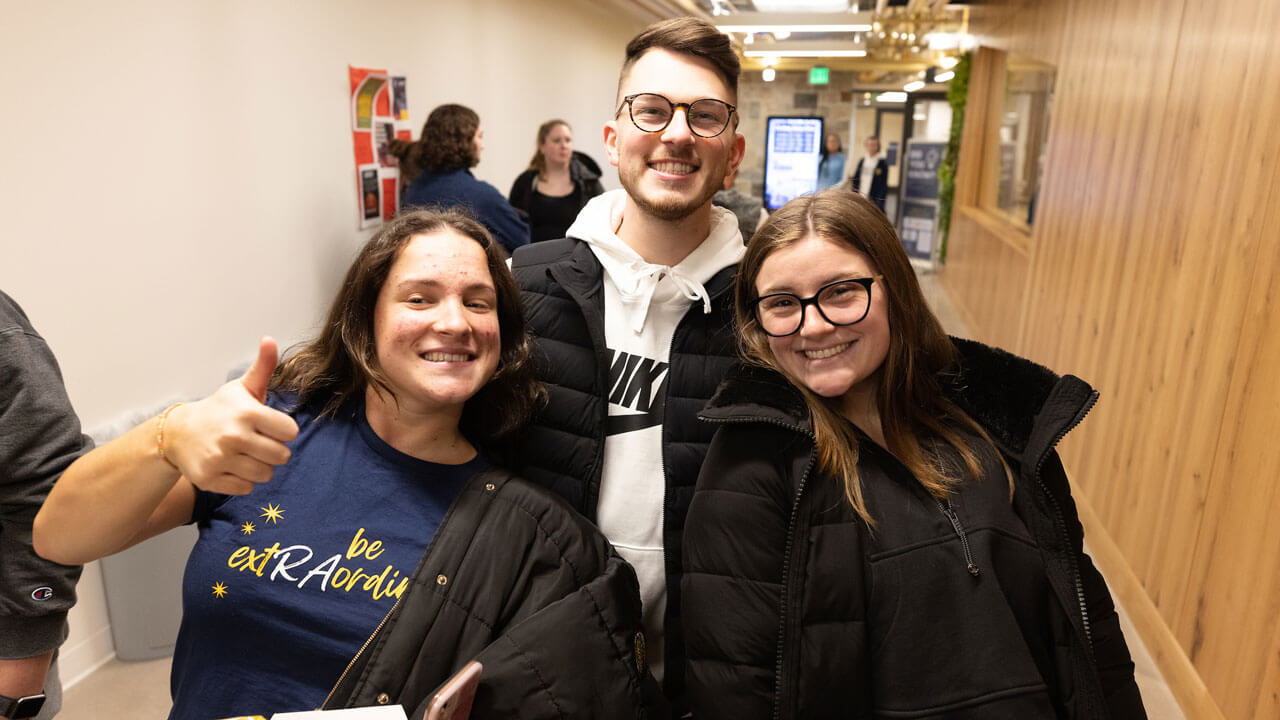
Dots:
pixel 563 449
pixel 518 581
pixel 972 609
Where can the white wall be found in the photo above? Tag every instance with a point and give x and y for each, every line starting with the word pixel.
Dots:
pixel 177 178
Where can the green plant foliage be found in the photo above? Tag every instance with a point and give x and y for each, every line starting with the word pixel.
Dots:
pixel 957 94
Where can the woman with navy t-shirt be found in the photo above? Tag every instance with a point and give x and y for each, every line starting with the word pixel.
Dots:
pixel 356 546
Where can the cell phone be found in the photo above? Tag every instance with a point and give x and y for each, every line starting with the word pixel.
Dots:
pixel 453 700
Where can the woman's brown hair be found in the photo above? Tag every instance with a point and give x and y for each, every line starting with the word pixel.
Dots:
pixel 538 161
pixel 448 140
pixel 914 412
pixel 342 362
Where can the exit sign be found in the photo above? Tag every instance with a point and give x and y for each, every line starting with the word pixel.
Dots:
pixel 819 75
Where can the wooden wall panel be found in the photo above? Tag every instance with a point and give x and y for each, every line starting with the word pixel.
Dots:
pixel 1229 618
pixel 1114 277
pixel 992 269
pixel 1153 271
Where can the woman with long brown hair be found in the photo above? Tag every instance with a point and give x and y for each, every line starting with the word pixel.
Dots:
pixel 350 503
pixel 882 527
pixel 558 183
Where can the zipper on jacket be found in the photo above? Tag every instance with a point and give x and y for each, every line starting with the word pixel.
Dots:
pixel 1061 518
pixel 950 512
pixel 360 652
pixel 780 654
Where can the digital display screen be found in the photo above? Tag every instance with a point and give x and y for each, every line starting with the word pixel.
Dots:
pixel 792 151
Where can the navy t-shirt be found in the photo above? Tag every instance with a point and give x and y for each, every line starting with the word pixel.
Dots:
pixel 286 583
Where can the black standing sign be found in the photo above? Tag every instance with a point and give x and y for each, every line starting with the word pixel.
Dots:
pixel 919 223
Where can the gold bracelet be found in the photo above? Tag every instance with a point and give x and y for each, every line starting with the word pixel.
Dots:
pixel 160 436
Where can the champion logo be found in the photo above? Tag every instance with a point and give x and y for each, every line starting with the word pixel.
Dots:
pixel 42 593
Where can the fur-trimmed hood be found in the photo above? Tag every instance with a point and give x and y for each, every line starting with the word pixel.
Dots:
pixel 1025 407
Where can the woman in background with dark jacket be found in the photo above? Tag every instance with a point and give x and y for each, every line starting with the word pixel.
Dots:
pixel 557 184
pixel 882 527
pixel 451 144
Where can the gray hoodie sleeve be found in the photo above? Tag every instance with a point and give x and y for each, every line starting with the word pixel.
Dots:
pixel 39 437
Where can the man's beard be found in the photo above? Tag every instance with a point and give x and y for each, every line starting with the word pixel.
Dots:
pixel 669 209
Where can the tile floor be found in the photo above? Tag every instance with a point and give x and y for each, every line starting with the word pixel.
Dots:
pixel 120 690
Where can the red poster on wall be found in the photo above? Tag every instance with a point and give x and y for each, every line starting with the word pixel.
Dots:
pixel 379 113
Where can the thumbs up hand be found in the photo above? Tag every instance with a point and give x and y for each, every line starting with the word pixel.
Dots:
pixel 258 376
pixel 230 441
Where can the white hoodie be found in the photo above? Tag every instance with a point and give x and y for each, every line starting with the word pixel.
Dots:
pixel 643 303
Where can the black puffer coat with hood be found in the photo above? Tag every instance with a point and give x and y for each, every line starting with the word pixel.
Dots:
pixel 971 608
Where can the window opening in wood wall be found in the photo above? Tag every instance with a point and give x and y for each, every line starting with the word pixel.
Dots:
pixel 1023 138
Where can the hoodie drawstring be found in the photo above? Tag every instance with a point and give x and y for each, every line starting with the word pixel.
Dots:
pixel 647 276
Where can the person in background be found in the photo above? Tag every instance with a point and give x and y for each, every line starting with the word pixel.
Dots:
pixel 558 183
pixel 882 527
pixel 631 316
pixel 749 209
pixel 831 167
pixel 39 437
pixel 451 144
pixel 319 485
pixel 407 155
pixel 871 174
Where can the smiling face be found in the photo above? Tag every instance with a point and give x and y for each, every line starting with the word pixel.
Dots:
pixel 833 361
pixel 672 173
pixel 435 324
pixel 557 146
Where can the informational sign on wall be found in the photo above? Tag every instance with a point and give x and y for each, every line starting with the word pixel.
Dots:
pixel 379 113
pixel 792 151
pixel 920 198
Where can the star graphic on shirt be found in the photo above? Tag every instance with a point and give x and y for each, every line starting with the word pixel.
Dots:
pixel 219 590
pixel 272 513
pixel 247 528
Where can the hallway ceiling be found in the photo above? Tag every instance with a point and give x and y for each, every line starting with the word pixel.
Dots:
pixel 888 62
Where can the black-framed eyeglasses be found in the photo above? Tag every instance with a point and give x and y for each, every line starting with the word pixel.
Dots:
pixel 652 113
pixel 843 302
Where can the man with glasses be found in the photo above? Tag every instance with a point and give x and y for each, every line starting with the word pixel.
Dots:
pixel 632 317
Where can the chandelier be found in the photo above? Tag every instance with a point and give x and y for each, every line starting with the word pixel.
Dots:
pixel 903 34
